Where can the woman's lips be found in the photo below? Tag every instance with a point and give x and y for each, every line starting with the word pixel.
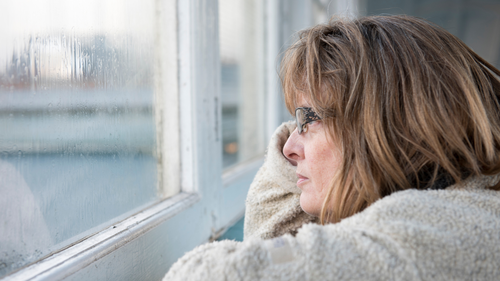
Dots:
pixel 301 179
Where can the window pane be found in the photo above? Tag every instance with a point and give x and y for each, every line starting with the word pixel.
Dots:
pixel 78 137
pixel 241 51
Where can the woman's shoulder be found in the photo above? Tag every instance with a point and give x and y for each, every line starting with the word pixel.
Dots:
pixel 436 234
pixel 460 202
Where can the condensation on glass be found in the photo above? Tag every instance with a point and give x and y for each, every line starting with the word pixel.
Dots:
pixel 77 126
pixel 242 80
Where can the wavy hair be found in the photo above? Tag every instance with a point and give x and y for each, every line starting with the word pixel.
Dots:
pixel 409 104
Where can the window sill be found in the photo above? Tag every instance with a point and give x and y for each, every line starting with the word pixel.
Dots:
pixel 77 256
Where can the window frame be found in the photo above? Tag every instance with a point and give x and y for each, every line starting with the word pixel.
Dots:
pixel 146 244
pixel 188 171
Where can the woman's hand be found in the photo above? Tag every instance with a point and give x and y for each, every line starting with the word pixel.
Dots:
pixel 273 201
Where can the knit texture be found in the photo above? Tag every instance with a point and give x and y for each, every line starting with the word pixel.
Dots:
pixel 273 201
pixel 451 234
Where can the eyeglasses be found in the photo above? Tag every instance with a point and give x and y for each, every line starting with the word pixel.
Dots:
pixel 303 116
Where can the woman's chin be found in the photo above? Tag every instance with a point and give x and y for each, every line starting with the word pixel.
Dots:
pixel 309 205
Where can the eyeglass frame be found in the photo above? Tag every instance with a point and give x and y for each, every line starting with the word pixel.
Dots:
pixel 309 116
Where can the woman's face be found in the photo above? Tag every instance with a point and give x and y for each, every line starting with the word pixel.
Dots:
pixel 316 159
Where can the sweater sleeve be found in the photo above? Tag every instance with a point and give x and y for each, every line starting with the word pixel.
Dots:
pixel 316 253
pixel 273 201
pixel 447 234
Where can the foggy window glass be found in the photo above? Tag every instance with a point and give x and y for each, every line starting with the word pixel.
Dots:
pixel 78 137
pixel 242 94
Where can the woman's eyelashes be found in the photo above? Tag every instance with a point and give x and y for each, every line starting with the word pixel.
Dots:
pixel 313 123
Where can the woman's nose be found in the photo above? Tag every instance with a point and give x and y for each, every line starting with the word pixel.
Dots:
pixel 293 149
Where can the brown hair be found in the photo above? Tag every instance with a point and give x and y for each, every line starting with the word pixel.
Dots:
pixel 407 102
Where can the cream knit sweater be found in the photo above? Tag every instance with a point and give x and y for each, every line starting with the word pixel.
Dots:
pixel 273 201
pixel 451 234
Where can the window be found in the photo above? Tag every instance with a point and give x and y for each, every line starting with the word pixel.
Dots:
pixel 78 85
pixel 242 81
pixel 114 119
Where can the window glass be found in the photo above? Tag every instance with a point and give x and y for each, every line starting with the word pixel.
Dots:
pixel 242 94
pixel 78 137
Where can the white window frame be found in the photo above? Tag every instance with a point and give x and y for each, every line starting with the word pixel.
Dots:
pixel 144 245
pixel 195 214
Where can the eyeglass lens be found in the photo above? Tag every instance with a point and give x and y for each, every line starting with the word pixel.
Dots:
pixel 299 119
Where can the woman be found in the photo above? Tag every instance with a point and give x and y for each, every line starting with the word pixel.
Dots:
pixel 396 153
